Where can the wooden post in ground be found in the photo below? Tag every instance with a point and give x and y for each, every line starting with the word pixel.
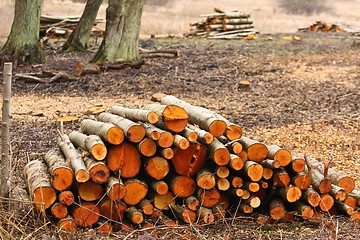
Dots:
pixel 5 132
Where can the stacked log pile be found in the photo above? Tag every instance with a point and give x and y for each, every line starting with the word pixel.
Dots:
pixel 175 162
pixel 223 25
pixel 321 26
pixel 61 27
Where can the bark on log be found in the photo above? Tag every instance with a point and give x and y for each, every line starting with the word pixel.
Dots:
pixel 204 137
pixel 39 184
pixel 90 191
pixel 107 131
pixel 319 182
pixel 290 194
pixel 134 132
pixel 165 201
pixel 208 198
pixel 90 143
pixel 126 158
pixel 236 162
pixel 269 163
pixel 297 163
pixel 304 210
pixel 182 186
pixel 184 214
pixel 192 203
pixel 136 114
pixel 134 215
pixel 189 161
pixel 218 153
pixel 67 224
pixel 75 158
pixel 277 209
pixel 280 154
pixel 205 215
pixel 355 194
pixel 146 207
pixel 59 169
pixel 66 197
pixel 86 68
pixel 346 209
pixel 115 188
pixel 151 131
pixel 190 134
pixel 171 117
pixel 136 191
pixel 99 172
pixel 58 210
pixel 181 142
pixel 252 170
pixel 86 214
pixel 338 193
pixel 256 151
pixel 160 187
pixel 157 167
pixel 201 117
pixel 113 210
pixel 205 179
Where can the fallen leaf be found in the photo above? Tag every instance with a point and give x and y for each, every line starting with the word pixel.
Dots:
pixel 95 110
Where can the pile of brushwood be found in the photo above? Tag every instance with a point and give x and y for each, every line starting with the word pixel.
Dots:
pixel 172 163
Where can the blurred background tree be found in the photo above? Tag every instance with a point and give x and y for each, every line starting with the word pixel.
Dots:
pixel 307 7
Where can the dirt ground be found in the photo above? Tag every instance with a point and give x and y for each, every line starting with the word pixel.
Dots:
pixel 303 95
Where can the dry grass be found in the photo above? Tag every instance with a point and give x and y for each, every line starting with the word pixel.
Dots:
pixel 173 18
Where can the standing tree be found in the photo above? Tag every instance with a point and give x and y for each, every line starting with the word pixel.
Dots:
pixel 120 43
pixel 80 36
pixel 23 43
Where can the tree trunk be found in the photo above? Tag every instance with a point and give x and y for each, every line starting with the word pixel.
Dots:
pixel 23 43
pixel 120 43
pixel 80 36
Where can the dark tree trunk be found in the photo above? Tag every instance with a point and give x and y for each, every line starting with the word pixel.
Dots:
pixel 120 43
pixel 80 36
pixel 23 44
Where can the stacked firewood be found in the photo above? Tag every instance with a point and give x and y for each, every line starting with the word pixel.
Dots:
pixel 175 162
pixel 223 25
pixel 61 27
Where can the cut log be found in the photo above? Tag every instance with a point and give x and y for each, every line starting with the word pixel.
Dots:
pixel 90 191
pixel 252 170
pixel 256 151
pixel 222 184
pixel 208 198
pixel 182 186
pixel 104 227
pixel 171 117
pixel 160 187
pixel 168 221
pixel 219 211
pixel 319 182
pixel 253 201
pixel 204 137
pixel 147 147
pixel 184 214
pixel 39 185
pixel 126 158
pixel 166 139
pixel 277 209
pixel 269 163
pixel 75 158
pixel 190 134
pixel 90 143
pixel 151 131
pixel 311 196
pixel 205 179
pixel 58 210
pixel 67 224
pixel 280 154
pixel 107 131
pixel 157 215
pixel 86 214
pixel 204 118
pixel 192 203
pixel 355 194
pixel 338 193
pixel 189 161
pixel 326 202
pixel 338 178
pixel 165 201
pixel 252 186
pixel 222 171
pixel 346 209
pixel 136 191
pixel 136 114
pixel 267 173
pixel 304 210
pixel 243 155
pixel 234 147
pixel 99 172
pixel 350 201
pixel 157 167
pixel 205 215
pixel 167 153
pixel 181 142
pixel 86 68
pixel 134 215
pixel 297 163
pixel 236 162
pixel 60 170
pixel 66 197
pixel 290 194
pixel 246 208
pixel 236 182
pixel 236 192
pixel 134 132
pixel 115 188
pixel 113 210
pixel 218 153
pixel 301 180
pixel 146 207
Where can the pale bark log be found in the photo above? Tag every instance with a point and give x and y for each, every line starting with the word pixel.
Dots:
pixel 107 131
pixel 136 114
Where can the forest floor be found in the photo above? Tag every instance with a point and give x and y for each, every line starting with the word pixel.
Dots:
pixel 303 95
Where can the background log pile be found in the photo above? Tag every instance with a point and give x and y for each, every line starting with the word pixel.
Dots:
pixel 61 27
pixel 321 26
pixel 223 25
pixel 174 162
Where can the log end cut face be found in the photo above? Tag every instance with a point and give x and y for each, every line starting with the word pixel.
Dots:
pixel 118 191
pixel 62 178
pixel 189 161
pixel 206 181
pixel 257 152
pixel 157 167
pixel 44 197
pixel 152 117
pixel 347 183
pixel 298 165
pixel 217 128
pixel 183 186
pixel 90 191
pixel 222 156
pixel 99 151
pixel 303 182
pixel 99 173
pixel 136 133
pixel 82 176
pixel 209 198
pixel 233 132
pixel 326 202
pixel 255 172
pixel 277 212
pixel 283 156
pixel 113 210
pixel 293 194
pixel 175 118
pixel 124 157
pixel 148 147
pixel 166 140
pixel 136 191
pixel 115 135
pixel 86 214
pixel 68 225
